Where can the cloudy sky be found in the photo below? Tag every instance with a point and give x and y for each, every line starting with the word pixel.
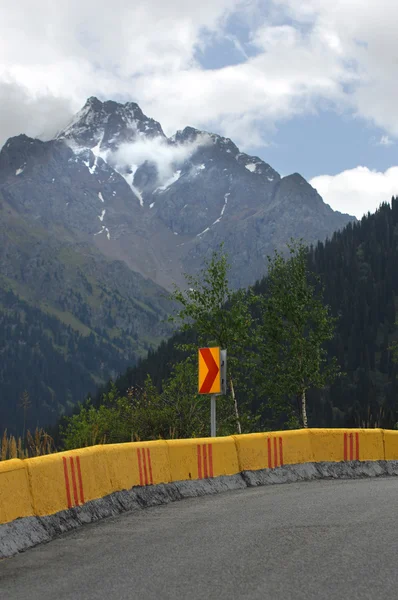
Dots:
pixel 307 85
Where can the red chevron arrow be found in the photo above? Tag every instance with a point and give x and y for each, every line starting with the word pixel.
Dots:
pixel 212 370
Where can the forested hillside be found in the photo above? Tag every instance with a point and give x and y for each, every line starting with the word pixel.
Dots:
pixel 39 354
pixel 359 270
pixel 358 267
pixel 69 319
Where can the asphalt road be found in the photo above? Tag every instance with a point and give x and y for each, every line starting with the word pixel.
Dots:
pixel 321 540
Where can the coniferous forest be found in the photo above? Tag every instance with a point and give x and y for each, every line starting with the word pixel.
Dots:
pixel 46 362
pixel 359 268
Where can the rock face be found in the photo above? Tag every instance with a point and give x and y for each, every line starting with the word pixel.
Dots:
pixel 113 179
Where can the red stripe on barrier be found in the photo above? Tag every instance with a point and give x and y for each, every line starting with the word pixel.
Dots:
pixel 345 446
pixel 206 474
pixel 67 486
pixel 79 475
pixel 281 450
pixel 357 445
pixel 199 450
pixel 140 466
pixel 72 468
pixel 269 453
pixel 148 453
pixel 211 460
pixel 351 446
pixel 145 469
pixel 275 452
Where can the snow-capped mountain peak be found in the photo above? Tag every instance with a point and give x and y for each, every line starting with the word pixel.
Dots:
pixel 161 204
pixel 109 124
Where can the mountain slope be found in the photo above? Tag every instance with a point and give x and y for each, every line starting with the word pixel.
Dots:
pixel 52 360
pixel 358 269
pixel 160 204
pixel 70 318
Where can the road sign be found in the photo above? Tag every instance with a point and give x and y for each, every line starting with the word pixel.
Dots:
pixel 209 371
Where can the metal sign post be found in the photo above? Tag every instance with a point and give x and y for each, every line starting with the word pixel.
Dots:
pixel 212 378
pixel 213 416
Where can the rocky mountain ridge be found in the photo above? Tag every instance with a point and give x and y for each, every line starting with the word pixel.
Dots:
pixel 160 204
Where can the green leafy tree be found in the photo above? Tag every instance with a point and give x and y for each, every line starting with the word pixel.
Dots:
pixel 295 326
pixel 142 413
pixel 219 316
pixel 189 409
pixel 148 416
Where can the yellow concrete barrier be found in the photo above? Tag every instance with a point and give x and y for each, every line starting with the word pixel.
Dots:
pixel 202 458
pixel 328 444
pixel 371 444
pixel 46 485
pixel 273 449
pixel 51 483
pixel 297 447
pixel 335 445
pixel 131 464
pixel 390 444
pixel 61 481
pixel 15 498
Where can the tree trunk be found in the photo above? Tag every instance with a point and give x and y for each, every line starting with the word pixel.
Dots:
pixel 304 409
pixel 236 407
pixel 24 428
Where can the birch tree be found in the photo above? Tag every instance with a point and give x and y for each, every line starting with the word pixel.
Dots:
pixel 219 316
pixel 295 325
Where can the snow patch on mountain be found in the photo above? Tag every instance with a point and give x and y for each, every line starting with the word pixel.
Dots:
pixel 203 232
pixel 104 229
pixel 223 208
pixel 138 194
pixel 83 119
pixel 129 178
pixel 175 177
pixel 96 150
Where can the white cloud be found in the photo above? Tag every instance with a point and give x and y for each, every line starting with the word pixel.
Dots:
pixel 365 32
pixel 335 54
pixel 73 50
pixel 167 157
pixel 286 79
pixel 357 191
pixel 35 115
pixel 385 141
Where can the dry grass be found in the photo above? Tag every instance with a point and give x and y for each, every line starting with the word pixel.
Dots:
pixel 38 444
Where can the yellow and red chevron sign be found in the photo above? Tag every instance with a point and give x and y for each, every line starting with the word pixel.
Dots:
pixel 209 371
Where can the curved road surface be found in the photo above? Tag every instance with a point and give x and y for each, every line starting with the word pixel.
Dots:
pixel 321 540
